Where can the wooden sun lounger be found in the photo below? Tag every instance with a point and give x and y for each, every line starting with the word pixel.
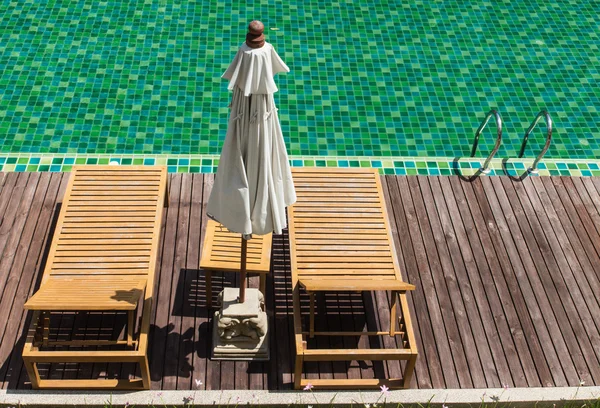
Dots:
pixel 102 258
pixel 222 251
pixel 340 240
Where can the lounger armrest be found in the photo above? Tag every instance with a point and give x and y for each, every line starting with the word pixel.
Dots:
pixel 318 285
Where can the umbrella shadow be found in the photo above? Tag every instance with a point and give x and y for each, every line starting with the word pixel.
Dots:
pixel 165 339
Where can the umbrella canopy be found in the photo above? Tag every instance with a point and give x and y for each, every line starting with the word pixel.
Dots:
pixel 254 183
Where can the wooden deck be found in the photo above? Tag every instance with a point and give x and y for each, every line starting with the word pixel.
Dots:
pixel 507 276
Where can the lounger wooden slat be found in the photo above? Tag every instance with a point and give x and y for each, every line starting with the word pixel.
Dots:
pixel 340 240
pixel 102 258
pixel 222 250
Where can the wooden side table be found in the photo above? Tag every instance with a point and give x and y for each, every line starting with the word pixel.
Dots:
pixel 222 250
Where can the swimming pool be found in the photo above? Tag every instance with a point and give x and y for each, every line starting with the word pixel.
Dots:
pixel 369 81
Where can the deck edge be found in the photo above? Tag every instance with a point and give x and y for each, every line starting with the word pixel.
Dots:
pixel 517 397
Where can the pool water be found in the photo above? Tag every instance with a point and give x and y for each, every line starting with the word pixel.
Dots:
pixel 368 79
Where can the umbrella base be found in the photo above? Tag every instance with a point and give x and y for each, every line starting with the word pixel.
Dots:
pixel 240 329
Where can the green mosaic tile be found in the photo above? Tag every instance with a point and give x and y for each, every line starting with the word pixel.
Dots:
pixel 409 166
pixel 114 77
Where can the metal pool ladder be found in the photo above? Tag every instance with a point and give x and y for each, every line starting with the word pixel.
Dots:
pixel 533 169
pixel 484 169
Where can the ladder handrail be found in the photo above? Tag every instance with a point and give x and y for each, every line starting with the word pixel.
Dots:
pixel 548 119
pixel 484 169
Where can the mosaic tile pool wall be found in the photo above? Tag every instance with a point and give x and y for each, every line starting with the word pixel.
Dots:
pixel 370 78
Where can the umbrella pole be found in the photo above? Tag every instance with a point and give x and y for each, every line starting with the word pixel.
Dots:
pixel 243 271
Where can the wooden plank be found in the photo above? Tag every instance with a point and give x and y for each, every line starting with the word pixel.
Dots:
pixel 337 247
pixel 193 350
pixel 478 352
pixel 62 323
pixel 213 368
pixel 428 368
pixel 426 281
pixel 441 290
pixel 564 266
pixel 99 384
pixel 123 204
pixel 440 241
pixel 547 295
pixel 355 384
pixel 163 295
pixel 122 253
pixel 368 284
pixel 7 193
pixel 592 186
pixel 337 206
pixel 94 209
pixel 495 366
pixel 556 266
pixel 16 376
pixel 10 215
pixel 495 262
pixel 519 357
pixel 14 230
pixel 175 336
pixel 576 203
pixel 321 369
pixel 144 180
pixel 564 204
pixel 591 200
pixel 526 341
pixel 15 291
pixel 279 289
pixel 542 315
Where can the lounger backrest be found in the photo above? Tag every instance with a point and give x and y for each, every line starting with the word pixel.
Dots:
pixel 110 222
pixel 339 227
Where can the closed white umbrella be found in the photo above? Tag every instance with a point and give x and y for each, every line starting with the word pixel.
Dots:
pixel 253 184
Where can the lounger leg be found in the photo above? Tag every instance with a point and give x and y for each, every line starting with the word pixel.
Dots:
pixel 33 373
pixel 145 370
pixel 263 284
pixel 408 371
pixel 130 328
pixel 312 315
pixel 393 312
pixel 208 275
pixel 298 372
pixel 298 339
